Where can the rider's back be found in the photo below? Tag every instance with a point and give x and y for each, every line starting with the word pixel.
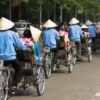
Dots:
pixel 49 37
pixel 8 41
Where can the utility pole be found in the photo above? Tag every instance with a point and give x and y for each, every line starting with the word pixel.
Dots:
pixel 61 8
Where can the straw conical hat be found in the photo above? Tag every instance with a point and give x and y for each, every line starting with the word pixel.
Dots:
pixel 88 22
pixel 5 24
pixel 73 21
pixel 49 24
pixel 35 33
pixel 84 26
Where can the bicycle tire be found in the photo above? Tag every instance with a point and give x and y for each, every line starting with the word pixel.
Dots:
pixel 3 85
pixel 47 67
pixel 40 81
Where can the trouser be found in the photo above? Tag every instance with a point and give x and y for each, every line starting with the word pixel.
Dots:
pixel 78 46
pixel 93 44
pixel 54 50
pixel 16 65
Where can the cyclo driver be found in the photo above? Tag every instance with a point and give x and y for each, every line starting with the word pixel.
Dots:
pixel 50 36
pixel 9 41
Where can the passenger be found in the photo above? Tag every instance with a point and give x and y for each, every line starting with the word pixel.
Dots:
pixel 31 38
pixel 86 34
pixel 9 41
pixel 64 38
pixel 75 34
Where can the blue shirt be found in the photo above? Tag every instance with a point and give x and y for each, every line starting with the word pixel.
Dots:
pixel 49 38
pixel 92 30
pixel 75 32
pixel 9 40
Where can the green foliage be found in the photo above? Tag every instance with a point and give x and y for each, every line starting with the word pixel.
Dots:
pixel 25 1
pixel 70 7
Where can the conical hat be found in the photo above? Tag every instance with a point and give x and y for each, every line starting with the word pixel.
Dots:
pixel 5 24
pixel 35 33
pixel 73 21
pixel 49 24
pixel 84 26
pixel 88 22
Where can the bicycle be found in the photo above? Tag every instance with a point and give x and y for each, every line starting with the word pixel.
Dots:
pixel 32 75
pixel 47 61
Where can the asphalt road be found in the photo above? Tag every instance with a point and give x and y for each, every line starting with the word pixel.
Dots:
pixel 82 84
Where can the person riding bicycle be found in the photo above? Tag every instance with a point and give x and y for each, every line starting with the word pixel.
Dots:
pixel 75 34
pixel 9 41
pixel 50 36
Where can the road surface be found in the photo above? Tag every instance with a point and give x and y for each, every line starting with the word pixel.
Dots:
pixel 82 84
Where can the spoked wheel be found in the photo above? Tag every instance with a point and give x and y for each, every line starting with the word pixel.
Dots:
pixel 2 95
pixel 3 86
pixel 54 66
pixel 47 70
pixel 74 55
pixel 40 81
pixel 70 63
pixel 89 54
pixel 70 68
pixel 89 58
pixel 74 59
pixel 47 67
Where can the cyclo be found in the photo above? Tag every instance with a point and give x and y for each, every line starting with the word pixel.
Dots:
pixel 32 75
pixel 86 50
pixel 64 55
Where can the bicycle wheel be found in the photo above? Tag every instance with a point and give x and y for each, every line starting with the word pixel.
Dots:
pixel 40 81
pixel 3 85
pixel 70 67
pixel 89 54
pixel 74 53
pixel 70 63
pixel 47 66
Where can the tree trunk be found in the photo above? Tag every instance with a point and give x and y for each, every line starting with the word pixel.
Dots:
pixel 55 12
pixel 61 12
pixel 40 14
pixel 86 17
pixel 75 12
pixel 20 11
